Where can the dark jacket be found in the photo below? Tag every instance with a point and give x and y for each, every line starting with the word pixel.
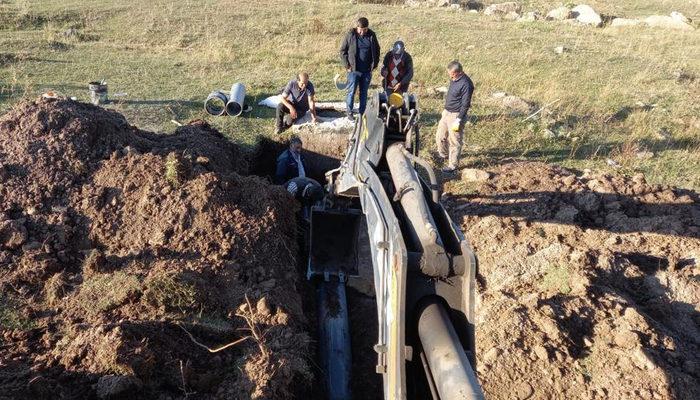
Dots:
pixel 348 49
pixel 408 65
pixel 459 96
pixel 287 167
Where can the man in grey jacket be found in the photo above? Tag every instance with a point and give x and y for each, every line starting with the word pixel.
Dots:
pixel 451 126
pixel 359 54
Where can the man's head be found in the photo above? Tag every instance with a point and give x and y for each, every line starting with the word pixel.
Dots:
pixel 362 26
pixel 398 48
pixel 302 80
pixel 454 69
pixel 295 145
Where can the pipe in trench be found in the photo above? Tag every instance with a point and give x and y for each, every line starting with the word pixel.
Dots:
pixel 334 338
pixel 451 371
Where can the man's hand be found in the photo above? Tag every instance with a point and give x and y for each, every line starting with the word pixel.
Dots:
pixel 293 112
pixel 397 87
pixel 454 127
pixel 348 68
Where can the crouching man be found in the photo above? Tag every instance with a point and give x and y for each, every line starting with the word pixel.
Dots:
pixel 298 98
pixel 307 191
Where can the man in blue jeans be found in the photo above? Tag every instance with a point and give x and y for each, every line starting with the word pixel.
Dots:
pixel 359 54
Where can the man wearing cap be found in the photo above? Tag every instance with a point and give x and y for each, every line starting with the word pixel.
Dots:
pixel 298 98
pixel 359 54
pixel 397 69
pixel 451 126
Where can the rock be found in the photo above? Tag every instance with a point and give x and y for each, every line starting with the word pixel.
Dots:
pixel 118 386
pixel 13 234
pixel 667 22
pixel 530 16
pixel 559 14
pixel 561 50
pixel 541 352
pixel 475 175
pixel 626 339
pixel 513 104
pixel 569 180
pixel 679 17
pixel 491 355
pixel 642 360
pixel 523 391
pixel 625 22
pixel 586 15
pixel 31 210
pixel 503 9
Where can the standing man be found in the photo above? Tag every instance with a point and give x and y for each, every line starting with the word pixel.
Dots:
pixel 359 54
pixel 397 69
pixel 298 98
pixel 451 126
pixel 290 164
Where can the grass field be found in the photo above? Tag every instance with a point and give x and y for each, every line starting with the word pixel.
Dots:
pixel 618 91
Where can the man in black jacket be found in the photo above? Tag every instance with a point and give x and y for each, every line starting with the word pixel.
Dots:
pixel 359 54
pixel 290 164
pixel 451 126
pixel 397 69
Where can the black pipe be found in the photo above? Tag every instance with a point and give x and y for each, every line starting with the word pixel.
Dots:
pixel 434 187
pixel 334 338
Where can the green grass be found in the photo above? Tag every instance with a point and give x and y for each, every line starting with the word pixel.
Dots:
pixel 168 56
pixel 103 292
pixel 556 279
pixel 11 316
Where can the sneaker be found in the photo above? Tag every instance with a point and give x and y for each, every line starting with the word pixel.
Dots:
pixel 448 170
pixel 350 117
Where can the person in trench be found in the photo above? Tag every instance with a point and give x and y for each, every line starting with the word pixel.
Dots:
pixel 290 163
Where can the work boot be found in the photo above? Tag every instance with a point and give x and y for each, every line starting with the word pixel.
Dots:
pixel 350 116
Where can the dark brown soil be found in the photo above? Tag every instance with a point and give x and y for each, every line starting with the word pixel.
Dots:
pixel 588 284
pixel 116 243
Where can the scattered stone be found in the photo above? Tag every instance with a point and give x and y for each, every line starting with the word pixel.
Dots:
pixel 523 391
pixel 541 352
pixel 569 180
pixel 13 234
pixel 475 175
pixel 515 105
pixel 530 16
pixel 625 22
pixel 667 22
pixel 626 339
pixel 117 387
pixel 642 360
pixel 559 14
pixel 503 9
pixel 585 14
pixel 561 50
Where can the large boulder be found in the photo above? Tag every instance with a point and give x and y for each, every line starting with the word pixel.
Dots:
pixel 503 9
pixel 560 14
pixel 585 14
pixel 674 21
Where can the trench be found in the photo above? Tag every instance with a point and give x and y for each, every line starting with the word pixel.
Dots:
pixel 323 152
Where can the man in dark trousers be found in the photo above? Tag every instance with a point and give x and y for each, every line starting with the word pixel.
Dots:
pixel 359 54
pixel 298 98
pixel 290 164
pixel 397 69
pixel 451 126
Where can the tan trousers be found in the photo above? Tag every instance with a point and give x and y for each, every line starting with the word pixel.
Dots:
pixel 449 143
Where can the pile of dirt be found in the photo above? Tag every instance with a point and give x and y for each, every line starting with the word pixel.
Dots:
pixel 124 254
pixel 588 283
